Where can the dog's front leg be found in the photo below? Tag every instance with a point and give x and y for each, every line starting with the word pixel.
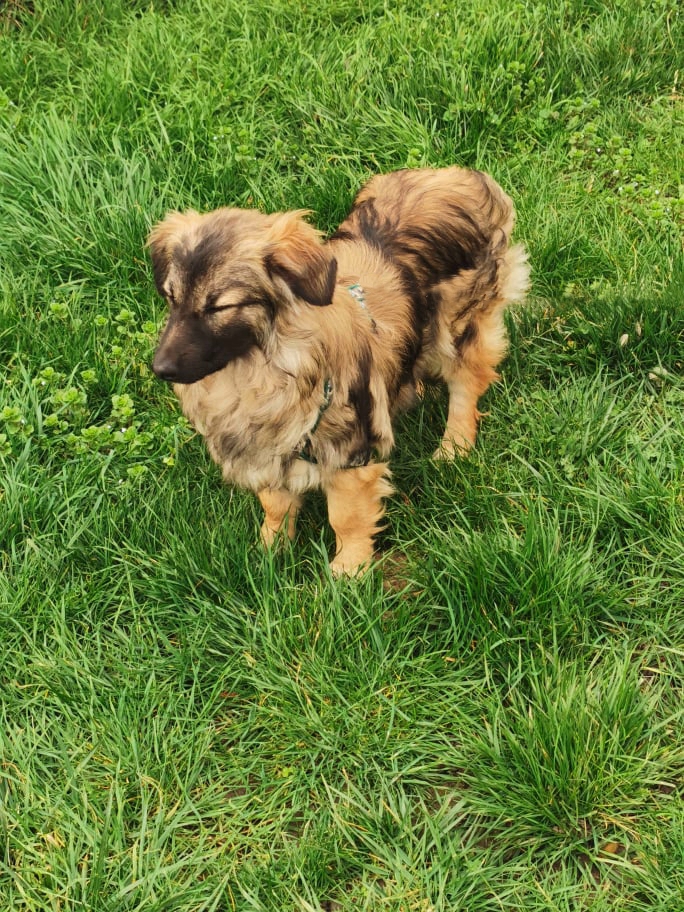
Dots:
pixel 355 506
pixel 280 508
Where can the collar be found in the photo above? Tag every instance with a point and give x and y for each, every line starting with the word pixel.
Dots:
pixel 306 451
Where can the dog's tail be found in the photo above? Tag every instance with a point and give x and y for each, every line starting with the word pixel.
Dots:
pixel 499 279
pixel 514 274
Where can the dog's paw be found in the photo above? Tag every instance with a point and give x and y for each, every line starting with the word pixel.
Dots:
pixel 270 538
pixel 444 453
pixel 449 449
pixel 354 558
pixel 352 562
pixel 343 568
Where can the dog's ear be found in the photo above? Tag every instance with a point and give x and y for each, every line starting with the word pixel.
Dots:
pixel 297 255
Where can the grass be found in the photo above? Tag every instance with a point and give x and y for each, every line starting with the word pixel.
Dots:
pixel 493 721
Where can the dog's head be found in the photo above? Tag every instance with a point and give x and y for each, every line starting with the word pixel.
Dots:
pixel 224 275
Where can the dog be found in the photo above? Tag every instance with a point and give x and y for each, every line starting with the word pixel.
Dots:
pixel 291 353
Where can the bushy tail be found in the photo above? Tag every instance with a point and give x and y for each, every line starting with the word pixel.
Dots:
pixel 514 274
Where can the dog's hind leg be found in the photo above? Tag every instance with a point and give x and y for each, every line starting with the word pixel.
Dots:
pixel 280 508
pixel 476 343
pixel 468 377
pixel 355 507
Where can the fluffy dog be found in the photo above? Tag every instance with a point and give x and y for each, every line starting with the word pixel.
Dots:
pixel 290 354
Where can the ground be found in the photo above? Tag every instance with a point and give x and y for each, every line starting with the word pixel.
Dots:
pixel 493 720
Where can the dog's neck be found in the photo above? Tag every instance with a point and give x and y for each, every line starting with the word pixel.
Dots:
pixel 298 343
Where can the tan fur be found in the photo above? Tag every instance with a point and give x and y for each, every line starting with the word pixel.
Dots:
pixel 355 507
pixel 262 317
pixel 280 513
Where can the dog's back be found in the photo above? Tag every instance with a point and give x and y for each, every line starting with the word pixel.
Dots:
pixel 432 223
pixel 447 234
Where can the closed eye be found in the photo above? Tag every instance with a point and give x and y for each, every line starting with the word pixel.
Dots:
pixel 217 308
pixel 211 307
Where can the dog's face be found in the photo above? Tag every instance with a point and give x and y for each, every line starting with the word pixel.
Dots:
pixel 225 275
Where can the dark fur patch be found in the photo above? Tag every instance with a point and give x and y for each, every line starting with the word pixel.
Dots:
pixel 413 335
pixel 200 260
pixel 432 300
pixel 342 234
pixel 161 262
pixel 446 252
pixel 376 232
pixel 467 337
pixel 435 252
pixel 362 402
pixel 232 445
pixel 365 223
pixel 315 286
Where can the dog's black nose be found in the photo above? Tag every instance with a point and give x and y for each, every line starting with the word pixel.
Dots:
pixel 164 368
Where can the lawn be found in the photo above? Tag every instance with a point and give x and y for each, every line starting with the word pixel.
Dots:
pixel 491 720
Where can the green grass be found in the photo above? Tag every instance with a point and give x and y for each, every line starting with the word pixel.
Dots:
pixel 494 720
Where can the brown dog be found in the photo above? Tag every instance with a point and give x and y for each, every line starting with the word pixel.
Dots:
pixel 291 354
